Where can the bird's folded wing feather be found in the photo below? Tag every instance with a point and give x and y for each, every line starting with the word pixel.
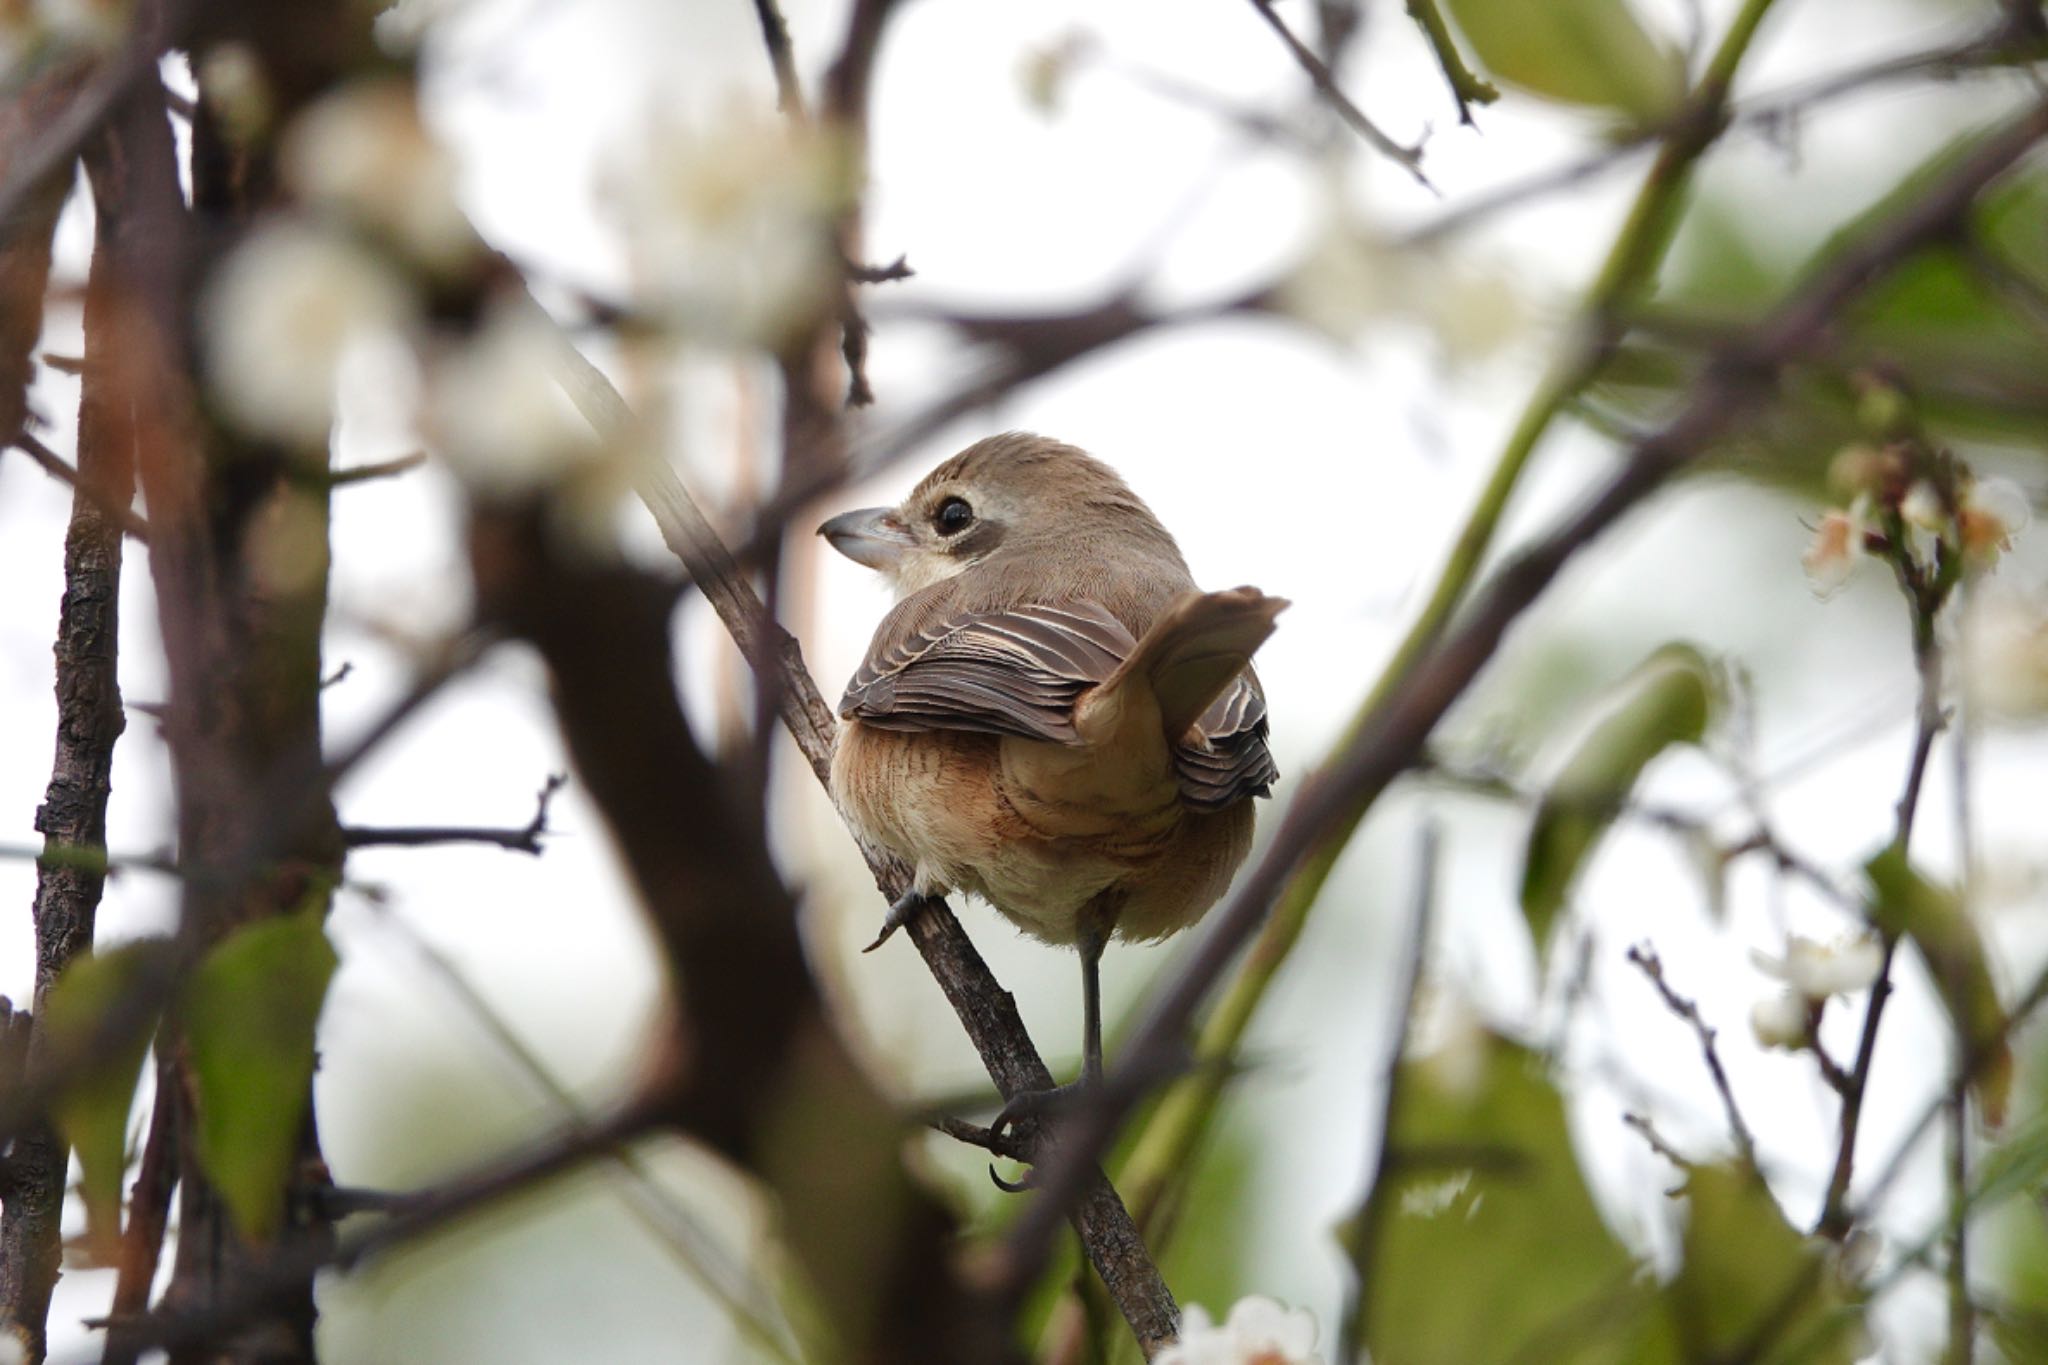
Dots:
pixel 1224 758
pixel 1019 672
pixel 1010 672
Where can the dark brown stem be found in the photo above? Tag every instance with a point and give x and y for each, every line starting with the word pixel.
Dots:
pixel 74 809
pixel 525 839
pixel 149 1208
pixel 1925 601
pixel 1646 961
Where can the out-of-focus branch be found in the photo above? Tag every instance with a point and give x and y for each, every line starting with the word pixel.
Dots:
pixel 789 92
pixel 1325 82
pixel 1467 87
pixel 525 839
pixel 1395 730
pixel 51 463
pixel 1362 1236
pixel 1688 1012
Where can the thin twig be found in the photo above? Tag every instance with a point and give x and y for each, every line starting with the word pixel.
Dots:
pixel 1365 1232
pixel 525 839
pixel 382 469
pixel 53 464
pixel 789 91
pixel 1325 82
pixel 1467 88
pixel 1642 1124
pixel 1645 960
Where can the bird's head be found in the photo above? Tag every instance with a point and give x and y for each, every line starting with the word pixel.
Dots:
pixel 1013 496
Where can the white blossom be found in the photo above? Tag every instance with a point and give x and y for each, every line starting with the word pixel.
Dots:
pixel 1993 511
pixel 1258 1331
pixel 496 411
pixel 1837 545
pixel 1924 508
pixel 1781 1020
pixel 2005 655
pixel 363 151
pixel 730 229
pixel 1818 970
pixel 1351 276
pixel 277 317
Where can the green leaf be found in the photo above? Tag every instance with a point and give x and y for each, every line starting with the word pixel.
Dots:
pixel 248 1015
pixel 2013 1167
pixel 1668 700
pixel 94 1101
pixel 1591 52
pixel 1485 1242
pixel 1751 1287
pixel 1933 920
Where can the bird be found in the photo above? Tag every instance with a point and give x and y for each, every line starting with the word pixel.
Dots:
pixel 1052 717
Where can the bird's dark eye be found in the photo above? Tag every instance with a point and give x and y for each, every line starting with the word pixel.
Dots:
pixel 953 517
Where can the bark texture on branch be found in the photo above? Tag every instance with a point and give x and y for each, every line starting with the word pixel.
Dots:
pixel 89 715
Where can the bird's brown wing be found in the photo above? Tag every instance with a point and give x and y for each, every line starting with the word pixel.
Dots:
pixel 1224 759
pixel 1016 671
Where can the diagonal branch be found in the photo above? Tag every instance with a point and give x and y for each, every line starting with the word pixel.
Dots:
pixel 1325 81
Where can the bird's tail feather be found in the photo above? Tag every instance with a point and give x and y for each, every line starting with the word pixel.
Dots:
pixel 1196 649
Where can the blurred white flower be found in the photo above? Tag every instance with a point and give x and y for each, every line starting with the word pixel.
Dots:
pixel 730 229
pixel 1258 1331
pixel 496 411
pixel 1045 71
pixel 1837 544
pixel 86 23
pixel 1351 277
pixel 1818 970
pixel 1993 511
pixel 237 91
pixel 1781 1020
pixel 277 316
pixel 1923 507
pixel 2005 655
pixel 363 151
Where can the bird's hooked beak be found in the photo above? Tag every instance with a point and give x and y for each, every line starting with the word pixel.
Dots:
pixel 872 536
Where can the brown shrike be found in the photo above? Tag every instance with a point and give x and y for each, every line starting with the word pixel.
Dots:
pixel 1052 717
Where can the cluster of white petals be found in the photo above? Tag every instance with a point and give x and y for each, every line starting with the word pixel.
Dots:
pixel 1837 546
pixel 363 152
pixel 1258 1331
pixel 2005 655
pixel 1812 972
pixel 1783 1020
pixel 1352 276
pixel 1818 970
pixel 279 314
pixel 496 410
pixel 730 229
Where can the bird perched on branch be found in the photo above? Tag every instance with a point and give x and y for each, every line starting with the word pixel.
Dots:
pixel 1053 717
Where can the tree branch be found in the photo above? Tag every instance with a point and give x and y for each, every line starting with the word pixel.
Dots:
pixel 1325 82
pixel 1646 961
pixel 525 839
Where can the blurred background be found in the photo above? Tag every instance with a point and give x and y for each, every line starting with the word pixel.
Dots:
pixel 1031 159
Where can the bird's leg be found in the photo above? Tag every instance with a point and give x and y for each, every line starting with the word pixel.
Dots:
pixel 1034 1103
pixel 902 911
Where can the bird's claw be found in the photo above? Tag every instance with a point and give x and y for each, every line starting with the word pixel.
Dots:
pixel 902 910
pixel 1012 1186
pixel 1033 1104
